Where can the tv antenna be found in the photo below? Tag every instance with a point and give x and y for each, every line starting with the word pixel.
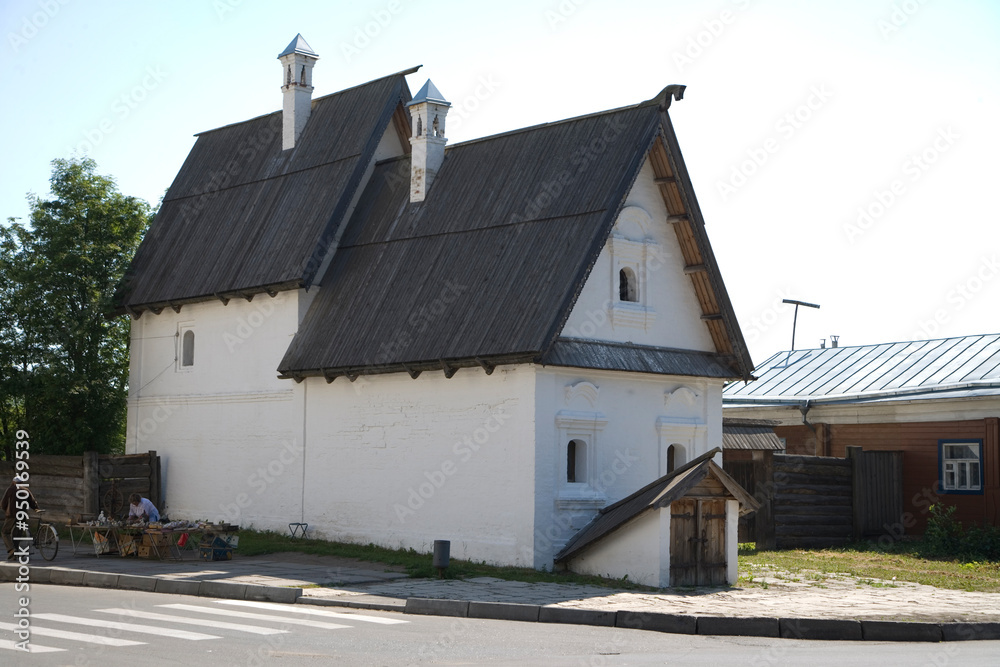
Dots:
pixel 796 318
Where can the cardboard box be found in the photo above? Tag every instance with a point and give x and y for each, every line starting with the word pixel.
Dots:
pixel 127 545
pixel 146 552
pixel 161 541
pixel 210 553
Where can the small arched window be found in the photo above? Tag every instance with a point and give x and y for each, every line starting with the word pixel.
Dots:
pixel 187 348
pixel 420 126
pixel 675 457
pixel 576 461
pixel 302 76
pixel 628 289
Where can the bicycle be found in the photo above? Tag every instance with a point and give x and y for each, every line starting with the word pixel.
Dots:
pixel 45 538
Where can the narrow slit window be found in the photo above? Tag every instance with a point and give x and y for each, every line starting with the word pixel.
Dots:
pixel 187 349
pixel 628 289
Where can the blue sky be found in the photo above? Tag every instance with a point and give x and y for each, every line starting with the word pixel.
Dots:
pixel 842 153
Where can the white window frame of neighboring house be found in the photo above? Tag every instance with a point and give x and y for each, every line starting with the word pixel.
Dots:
pixel 953 469
pixel 584 427
pixel 182 329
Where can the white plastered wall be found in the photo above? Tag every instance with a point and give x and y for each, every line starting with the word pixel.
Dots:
pixel 225 428
pixel 633 417
pixel 633 551
pixel 667 313
pixel 402 462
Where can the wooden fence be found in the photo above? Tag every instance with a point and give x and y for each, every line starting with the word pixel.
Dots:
pixel 819 501
pixel 69 488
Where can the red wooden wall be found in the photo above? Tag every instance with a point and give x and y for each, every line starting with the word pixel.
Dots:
pixel 919 443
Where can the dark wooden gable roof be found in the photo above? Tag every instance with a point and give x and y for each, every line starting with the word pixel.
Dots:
pixel 242 216
pixel 487 265
pixel 487 269
pixel 659 493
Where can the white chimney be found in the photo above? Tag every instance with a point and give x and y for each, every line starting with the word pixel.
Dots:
pixel 427 115
pixel 297 61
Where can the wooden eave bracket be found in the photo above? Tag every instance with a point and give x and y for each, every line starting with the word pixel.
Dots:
pixel 449 370
pixel 176 307
pixel 674 219
pixel 414 374
pixel 711 317
pixel 134 314
pixel 225 302
pixel 487 366
pixel 696 268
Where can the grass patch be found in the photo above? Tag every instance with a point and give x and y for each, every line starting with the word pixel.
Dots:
pixel 415 564
pixel 901 561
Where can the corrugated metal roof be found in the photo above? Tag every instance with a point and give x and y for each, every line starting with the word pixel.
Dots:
pixel 750 434
pixel 637 358
pixel 659 493
pixel 244 215
pixel 906 370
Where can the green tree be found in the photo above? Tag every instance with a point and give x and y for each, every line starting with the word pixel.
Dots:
pixel 64 357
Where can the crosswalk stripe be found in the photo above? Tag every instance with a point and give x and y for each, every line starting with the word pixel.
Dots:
pixel 221 625
pixel 32 648
pixel 305 609
pixel 75 636
pixel 259 617
pixel 126 627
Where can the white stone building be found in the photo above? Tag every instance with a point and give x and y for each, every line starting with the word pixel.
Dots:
pixel 339 320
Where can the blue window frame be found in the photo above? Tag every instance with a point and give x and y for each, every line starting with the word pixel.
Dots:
pixel 960 466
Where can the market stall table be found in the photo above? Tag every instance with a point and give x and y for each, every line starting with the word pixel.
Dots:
pixel 103 538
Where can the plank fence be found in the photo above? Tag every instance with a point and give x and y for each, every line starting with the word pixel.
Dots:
pixel 71 488
pixel 818 501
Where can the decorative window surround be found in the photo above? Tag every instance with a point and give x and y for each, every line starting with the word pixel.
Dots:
pixel 585 427
pixel 684 432
pixel 633 255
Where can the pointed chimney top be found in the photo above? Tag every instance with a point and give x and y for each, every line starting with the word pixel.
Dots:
pixel 298 45
pixel 429 93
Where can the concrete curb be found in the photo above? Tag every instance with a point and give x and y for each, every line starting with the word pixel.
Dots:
pixel 792 628
pixel 896 631
pixel 397 606
pixel 738 626
pixel 961 632
pixel 820 628
pixel 657 622
pixel 577 616
pixel 437 607
pixel 133 582
pixel 504 611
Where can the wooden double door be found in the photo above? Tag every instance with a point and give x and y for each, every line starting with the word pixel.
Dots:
pixel 698 542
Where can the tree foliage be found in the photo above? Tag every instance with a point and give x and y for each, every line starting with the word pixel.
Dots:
pixel 63 357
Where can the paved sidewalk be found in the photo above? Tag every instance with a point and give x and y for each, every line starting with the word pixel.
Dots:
pixel 774 594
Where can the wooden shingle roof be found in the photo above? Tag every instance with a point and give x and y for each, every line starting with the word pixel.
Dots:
pixel 242 216
pixel 487 269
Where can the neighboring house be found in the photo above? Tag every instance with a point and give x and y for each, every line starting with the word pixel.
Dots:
pixel 340 321
pixel 749 439
pixel 937 401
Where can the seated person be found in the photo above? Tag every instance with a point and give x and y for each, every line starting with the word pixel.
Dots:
pixel 140 509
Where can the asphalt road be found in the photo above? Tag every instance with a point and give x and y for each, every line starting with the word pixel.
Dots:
pixel 90 626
